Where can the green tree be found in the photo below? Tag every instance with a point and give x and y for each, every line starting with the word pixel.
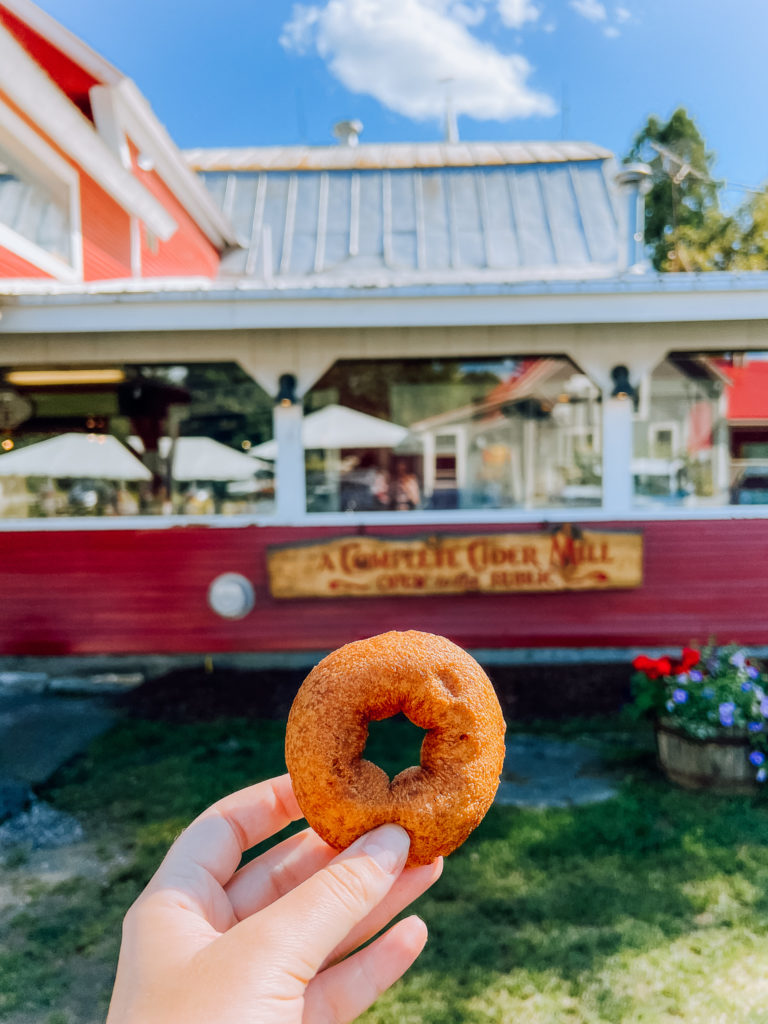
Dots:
pixel 684 225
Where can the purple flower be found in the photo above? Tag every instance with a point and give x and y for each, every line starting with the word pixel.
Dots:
pixel 738 659
pixel 761 775
pixel 757 758
pixel 756 726
pixel 746 687
pixel 753 672
pixel 764 707
pixel 680 696
pixel 696 676
pixel 726 710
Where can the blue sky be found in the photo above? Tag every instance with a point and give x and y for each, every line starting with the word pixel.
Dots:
pixel 260 72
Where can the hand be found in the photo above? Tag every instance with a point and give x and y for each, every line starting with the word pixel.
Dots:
pixel 206 943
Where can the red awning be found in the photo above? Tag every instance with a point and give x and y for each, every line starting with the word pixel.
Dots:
pixel 748 393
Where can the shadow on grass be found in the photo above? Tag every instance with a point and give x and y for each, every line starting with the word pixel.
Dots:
pixel 534 899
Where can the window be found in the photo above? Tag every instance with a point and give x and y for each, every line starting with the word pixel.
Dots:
pixel 39 201
pixel 177 439
pixel 453 434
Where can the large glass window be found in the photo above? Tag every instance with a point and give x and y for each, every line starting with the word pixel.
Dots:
pixel 453 434
pixel 133 440
pixel 701 431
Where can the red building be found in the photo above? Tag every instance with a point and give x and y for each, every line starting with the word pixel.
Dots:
pixel 268 400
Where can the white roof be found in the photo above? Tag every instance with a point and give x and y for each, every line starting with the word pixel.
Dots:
pixel 75 456
pixel 202 458
pixel 337 426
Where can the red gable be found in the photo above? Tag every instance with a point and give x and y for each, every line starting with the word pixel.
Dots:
pixel 72 79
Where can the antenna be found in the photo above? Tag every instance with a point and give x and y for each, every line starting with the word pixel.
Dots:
pixel 451 124
pixel 671 160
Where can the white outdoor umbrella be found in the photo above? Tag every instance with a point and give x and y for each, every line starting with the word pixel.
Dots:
pixel 202 458
pixel 337 426
pixel 77 457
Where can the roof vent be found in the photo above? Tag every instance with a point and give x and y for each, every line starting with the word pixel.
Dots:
pixel 348 132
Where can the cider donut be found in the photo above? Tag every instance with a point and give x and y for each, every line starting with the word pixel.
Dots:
pixel 440 688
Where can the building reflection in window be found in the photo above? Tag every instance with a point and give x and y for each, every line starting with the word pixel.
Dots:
pixel 475 433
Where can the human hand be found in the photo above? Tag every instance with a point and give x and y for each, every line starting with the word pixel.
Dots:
pixel 206 943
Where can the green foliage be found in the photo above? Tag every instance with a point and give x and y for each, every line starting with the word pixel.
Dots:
pixel 682 209
pixel 685 227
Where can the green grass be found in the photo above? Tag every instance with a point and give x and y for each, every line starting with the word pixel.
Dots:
pixel 651 908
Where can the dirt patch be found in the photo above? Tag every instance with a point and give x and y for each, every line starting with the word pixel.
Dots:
pixel 526 692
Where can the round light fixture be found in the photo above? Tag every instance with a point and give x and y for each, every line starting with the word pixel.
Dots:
pixel 231 595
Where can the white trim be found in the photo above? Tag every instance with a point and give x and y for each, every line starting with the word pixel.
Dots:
pixel 63 40
pixel 40 258
pixel 423 519
pixel 197 304
pixel 44 163
pixel 28 86
pixel 150 136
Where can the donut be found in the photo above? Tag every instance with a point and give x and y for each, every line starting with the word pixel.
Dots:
pixel 440 688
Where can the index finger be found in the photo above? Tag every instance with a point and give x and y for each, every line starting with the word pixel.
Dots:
pixel 217 839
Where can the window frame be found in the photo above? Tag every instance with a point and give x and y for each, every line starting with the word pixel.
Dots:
pixel 46 165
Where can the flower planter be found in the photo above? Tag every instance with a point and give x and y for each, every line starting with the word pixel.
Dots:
pixel 720 764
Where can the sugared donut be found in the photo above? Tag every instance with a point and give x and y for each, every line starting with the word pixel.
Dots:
pixel 440 688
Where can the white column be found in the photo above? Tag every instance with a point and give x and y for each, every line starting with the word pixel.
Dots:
pixel 617 454
pixel 290 477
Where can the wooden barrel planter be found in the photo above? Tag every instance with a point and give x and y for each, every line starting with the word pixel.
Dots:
pixel 720 765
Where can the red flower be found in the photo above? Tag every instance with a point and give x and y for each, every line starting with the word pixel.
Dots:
pixel 690 658
pixel 652 667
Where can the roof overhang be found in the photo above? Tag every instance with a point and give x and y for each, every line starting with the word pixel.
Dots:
pixel 197 304
pixel 31 89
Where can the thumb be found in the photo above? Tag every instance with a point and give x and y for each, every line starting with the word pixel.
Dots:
pixel 309 922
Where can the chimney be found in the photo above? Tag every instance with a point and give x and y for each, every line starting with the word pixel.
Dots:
pixel 634 180
pixel 348 132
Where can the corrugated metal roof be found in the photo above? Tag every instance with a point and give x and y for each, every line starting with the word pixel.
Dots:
pixel 444 212
pixel 397 155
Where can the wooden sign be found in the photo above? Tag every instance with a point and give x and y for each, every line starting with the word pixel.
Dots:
pixel 489 563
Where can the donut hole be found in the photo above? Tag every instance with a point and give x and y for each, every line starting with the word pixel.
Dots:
pixel 394 744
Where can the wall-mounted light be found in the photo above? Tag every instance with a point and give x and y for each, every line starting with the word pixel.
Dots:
pixel 622 388
pixel 286 394
pixel 231 595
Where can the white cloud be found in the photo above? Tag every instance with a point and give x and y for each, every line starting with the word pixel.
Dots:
pixel 611 31
pixel 468 14
pixel 515 13
pixel 593 10
pixel 622 14
pixel 402 51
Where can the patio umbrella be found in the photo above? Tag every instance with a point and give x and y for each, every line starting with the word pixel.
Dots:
pixel 337 426
pixel 75 456
pixel 202 458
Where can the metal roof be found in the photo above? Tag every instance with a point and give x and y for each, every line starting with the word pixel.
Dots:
pixel 390 155
pixel 364 216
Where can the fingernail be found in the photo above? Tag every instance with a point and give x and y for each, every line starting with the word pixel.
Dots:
pixel 388 845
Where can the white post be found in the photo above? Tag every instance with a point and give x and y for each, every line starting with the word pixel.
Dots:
pixel 290 476
pixel 618 439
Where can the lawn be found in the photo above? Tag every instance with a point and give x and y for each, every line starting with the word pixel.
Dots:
pixel 651 907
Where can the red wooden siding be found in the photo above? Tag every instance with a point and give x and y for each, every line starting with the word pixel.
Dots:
pixel 12 265
pixel 187 251
pixel 117 591
pixel 106 234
